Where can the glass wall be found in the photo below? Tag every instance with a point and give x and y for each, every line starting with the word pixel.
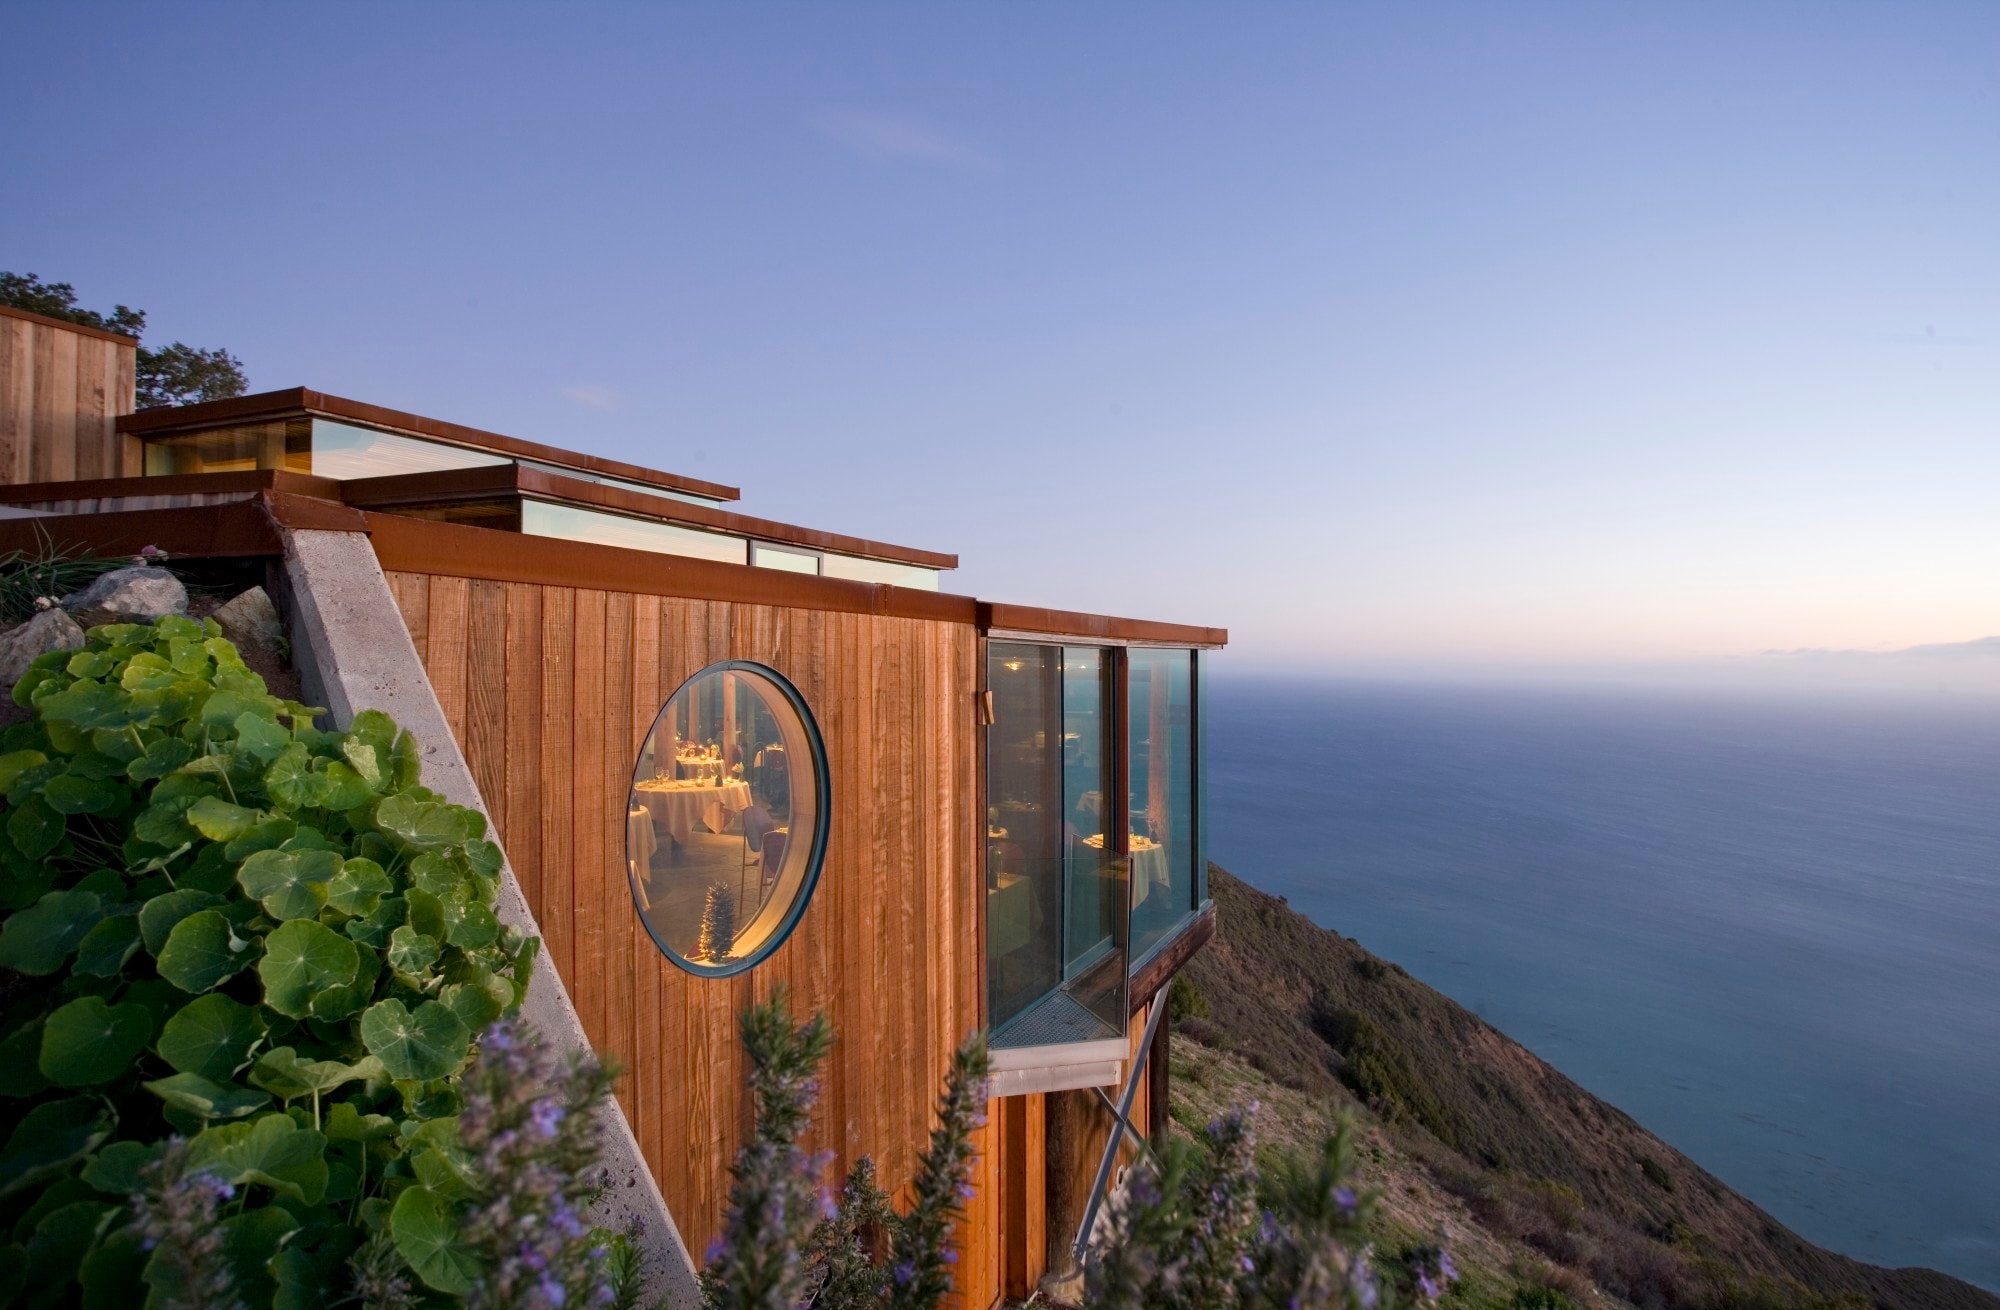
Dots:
pixel 307 445
pixel 1055 891
pixel 727 821
pixel 1165 845
pixel 544 518
pixel 856 569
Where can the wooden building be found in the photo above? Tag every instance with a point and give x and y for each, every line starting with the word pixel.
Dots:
pixel 724 754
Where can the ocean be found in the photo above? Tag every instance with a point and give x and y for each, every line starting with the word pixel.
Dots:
pixel 1767 929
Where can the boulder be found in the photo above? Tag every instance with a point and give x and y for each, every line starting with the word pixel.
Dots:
pixel 140 593
pixel 251 620
pixel 52 629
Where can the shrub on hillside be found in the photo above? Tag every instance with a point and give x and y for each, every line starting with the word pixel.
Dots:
pixel 248 958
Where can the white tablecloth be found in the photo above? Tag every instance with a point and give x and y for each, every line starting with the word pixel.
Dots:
pixel 639 847
pixel 1149 865
pixel 678 806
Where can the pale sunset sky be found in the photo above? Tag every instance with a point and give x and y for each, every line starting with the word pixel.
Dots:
pixel 1439 335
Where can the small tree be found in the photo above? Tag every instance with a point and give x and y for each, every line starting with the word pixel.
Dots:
pixel 172 375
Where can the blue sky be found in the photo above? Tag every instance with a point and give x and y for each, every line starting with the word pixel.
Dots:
pixel 1386 336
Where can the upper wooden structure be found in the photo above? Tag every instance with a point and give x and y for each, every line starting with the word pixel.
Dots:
pixel 551 656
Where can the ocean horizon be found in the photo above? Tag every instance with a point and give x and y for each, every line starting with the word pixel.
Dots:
pixel 1766 927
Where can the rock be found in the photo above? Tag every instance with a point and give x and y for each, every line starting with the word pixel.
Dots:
pixel 47 631
pixel 251 620
pixel 138 594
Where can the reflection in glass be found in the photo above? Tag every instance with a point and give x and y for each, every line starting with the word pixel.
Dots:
pixel 1055 896
pixel 766 556
pixel 856 569
pixel 1160 718
pixel 727 818
pixel 302 444
pixel 543 518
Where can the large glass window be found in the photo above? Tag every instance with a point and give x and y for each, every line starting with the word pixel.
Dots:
pixel 1055 890
pixel 545 518
pixel 1160 732
pixel 727 819
pixel 308 445
pixel 856 569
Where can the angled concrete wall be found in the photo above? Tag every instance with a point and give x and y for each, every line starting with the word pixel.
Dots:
pixel 354 654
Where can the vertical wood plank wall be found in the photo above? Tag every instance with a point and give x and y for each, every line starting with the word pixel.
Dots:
pixel 550 690
pixel 62 389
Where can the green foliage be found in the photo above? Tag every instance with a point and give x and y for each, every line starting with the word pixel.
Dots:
pixel 1541 1298
pixel 171 375
pixel 1378 1070
pixel 1185 1000
pixel 249 959
pixel 1656 1173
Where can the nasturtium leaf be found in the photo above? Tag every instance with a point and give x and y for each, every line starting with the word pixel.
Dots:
pixel 374 729
pixel 301 959
pixel 96 765
pixel 406 761
pixel 363 759
pixel 344 1123
pixel 185 653
pixel 222 651
pixel 427 823
pixel 48 1138
pixel 158 916
pixel 207 1100
pixel 345 1001
pixel 484 857
pixel 147 671
pixel 250 1241
pixel 475 1006
pixel 284 1075
pixel 90 664
pixel 260 738
pixel 272 1149
pixel 309 838
pixel 164 822
pixel 92 705
pixel 416 1046
pixel 112 1274
pixel 222 707
pixel 218 820
pixel 58 1246
pixel 437 1169
pixel 15 763
pixel 88 1042
pixel 66 793
pixel 289 884
pixel 211 1035
pixel 107 946
pixel 34 828
pixel 374 928
pixel 202 950
pixel 109 884
pixel 436 874
pixel 117 1169
pixel 161 758
pixel 29 780
pixel 473 926
pixel 291 781
pixel 38 939
pixel 19 1075
pixel 359 887
pixel 345 790
pixel 426 913
pixel 268 833
pixel 426 1232
pixel 412 952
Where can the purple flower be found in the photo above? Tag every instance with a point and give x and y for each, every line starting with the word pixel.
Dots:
pixel 1345 1199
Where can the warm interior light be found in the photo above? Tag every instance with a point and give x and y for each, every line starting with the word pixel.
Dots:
pixel 1012 666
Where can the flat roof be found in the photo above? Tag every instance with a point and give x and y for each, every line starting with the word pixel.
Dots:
pixel 268 405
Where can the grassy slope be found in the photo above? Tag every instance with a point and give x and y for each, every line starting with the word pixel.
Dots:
pixel 1534 1179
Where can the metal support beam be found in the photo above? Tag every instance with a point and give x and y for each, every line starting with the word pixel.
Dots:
pixel 1122 1112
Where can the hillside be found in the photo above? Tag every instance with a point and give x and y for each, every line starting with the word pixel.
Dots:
pixel 1534 1180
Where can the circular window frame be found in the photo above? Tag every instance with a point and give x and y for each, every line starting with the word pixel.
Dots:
pixel 816 858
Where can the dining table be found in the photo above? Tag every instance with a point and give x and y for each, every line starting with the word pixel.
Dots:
pixel 1149 864
pixel 678 804
pixel 640 843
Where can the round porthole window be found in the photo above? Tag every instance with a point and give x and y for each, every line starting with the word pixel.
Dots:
pixel 727 822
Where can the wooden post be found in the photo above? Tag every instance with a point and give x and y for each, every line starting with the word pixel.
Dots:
pixel 1074 1145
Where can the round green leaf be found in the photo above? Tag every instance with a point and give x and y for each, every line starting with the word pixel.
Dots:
pixel 218 820
pixel 107 946
pixel 291 781
pixel 412 952
pixel 48 1138
pixel 116 1168
pixel 212 1036
pixel 34 828
pixel 207 1100
pixel 301 959
pixel 428 823
pixel 70 794
pixel 289 884
pixel 271 1149
pixel 15 763
pixel 426 1232
pixel 161 758
pixel 201 951
pixel 283 1074
pixel 158 916
pixel 418 1046
pixel 359 887
pixel 38 939
pixel 88 1042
